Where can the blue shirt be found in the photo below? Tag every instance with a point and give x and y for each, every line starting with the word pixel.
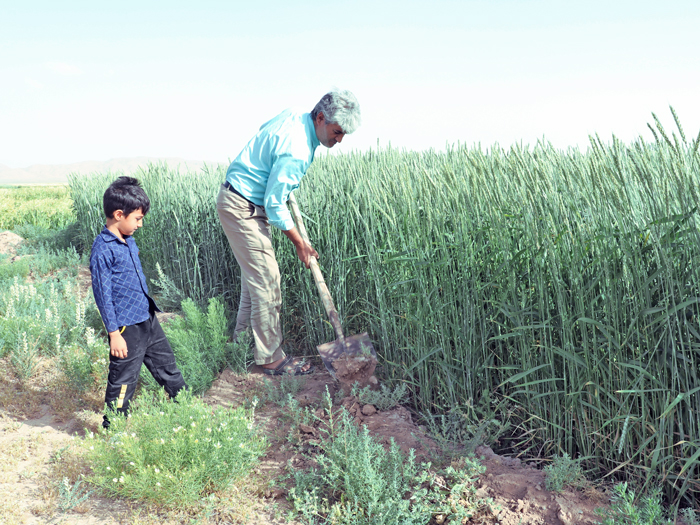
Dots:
pixel 271 165
pixel 118 282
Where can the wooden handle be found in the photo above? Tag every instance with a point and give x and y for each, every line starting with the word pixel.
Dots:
pixel 316 271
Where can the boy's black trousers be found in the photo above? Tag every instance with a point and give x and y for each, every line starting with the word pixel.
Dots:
pixel 145 344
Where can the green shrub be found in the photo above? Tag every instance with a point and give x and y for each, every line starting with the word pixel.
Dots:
pixel 47 311
pixel 199 342
pixel 625 511
pixel 173 453
pixel 86 364
pixel 383 399
pixel 359 482
pixel 563 472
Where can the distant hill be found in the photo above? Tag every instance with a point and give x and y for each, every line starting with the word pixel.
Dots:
pixel 58 174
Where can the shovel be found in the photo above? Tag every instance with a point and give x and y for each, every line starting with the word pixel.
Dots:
pixel 355 345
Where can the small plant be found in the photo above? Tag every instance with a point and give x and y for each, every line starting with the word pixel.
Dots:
pixel 281 392
pixel 199 342
pixel 70 496
pixel 563 472
pixel 690 516
pixel 24 357
pixel 170 296
pixel 383 399
pixel 624 511
pixel 173 453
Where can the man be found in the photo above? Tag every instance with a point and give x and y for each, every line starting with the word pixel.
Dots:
pixel 257 187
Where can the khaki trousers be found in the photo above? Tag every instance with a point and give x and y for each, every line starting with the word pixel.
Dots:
pixel 248 233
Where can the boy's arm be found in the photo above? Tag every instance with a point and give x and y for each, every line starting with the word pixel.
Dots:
pixel 102 291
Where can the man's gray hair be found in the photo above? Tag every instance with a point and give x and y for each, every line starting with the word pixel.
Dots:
pixel 339 107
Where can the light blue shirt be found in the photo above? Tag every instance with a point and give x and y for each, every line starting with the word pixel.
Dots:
pixel 271 166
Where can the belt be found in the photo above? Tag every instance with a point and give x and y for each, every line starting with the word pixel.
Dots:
pixel 230 188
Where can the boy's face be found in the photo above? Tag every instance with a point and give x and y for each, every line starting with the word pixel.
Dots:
pixel 128 224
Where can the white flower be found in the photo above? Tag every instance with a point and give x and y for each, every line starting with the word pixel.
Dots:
pixel 208 429
pixel 241 445
pixel 121 479
pixel 115 480
pixel 162 413
pixel 91 435
pixel 162 441
pixel 92 448
pixel 133 435
pixel 194 424
pixel 157 484
pixel 131 463
pixel 109 468
pixel 157 470
pixel 218 445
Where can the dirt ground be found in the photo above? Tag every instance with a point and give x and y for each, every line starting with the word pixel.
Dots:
pixel 31 445
pixel 38 428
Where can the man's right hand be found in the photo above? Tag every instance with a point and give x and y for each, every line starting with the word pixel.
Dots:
pixel 117 345
pixel 305 252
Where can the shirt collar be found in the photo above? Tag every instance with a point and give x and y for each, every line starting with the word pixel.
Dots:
pixel 311 131
pixel 108 236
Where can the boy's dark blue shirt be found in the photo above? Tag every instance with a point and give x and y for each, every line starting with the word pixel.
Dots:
pixel 118 282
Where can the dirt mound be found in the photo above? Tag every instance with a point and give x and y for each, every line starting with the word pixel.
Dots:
pixel 9 242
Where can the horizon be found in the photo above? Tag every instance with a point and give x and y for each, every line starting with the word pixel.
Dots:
pixel 85 82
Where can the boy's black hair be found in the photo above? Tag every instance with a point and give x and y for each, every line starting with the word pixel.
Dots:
pixel 125 194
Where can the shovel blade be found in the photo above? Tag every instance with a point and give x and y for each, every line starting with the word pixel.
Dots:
pixel 354 345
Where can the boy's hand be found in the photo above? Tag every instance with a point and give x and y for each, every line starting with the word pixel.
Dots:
pixel 117 345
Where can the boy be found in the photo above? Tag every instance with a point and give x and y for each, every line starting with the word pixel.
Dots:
pixel 121 294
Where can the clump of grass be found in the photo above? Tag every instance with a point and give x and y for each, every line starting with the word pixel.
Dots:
pixel 563 472
pixel 624 510
pixel 173 453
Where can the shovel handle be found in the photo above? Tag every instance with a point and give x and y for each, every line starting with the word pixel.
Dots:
pixel 316 271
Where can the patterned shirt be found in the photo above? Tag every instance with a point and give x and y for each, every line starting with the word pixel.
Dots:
pixel 118 282
pixel 271 165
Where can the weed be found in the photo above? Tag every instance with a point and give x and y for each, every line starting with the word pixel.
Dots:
pixel 383 399
pixel 359 482
pixel 690 516
pixel 70 496
pixel 24 357
pixel 170 296
pixel 624 511
pixel 563 472
pixel 199 342
pixel 173 453
pixel 280 392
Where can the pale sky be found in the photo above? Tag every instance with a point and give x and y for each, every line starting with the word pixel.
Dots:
pixel 92 80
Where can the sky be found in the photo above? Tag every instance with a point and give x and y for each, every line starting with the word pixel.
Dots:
pixel 86 80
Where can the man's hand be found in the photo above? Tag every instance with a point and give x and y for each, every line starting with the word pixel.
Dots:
pixel 117 345
pixel 304 250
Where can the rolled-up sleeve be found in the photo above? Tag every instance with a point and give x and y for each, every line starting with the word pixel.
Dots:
pixel 102 289
pixel 284 178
